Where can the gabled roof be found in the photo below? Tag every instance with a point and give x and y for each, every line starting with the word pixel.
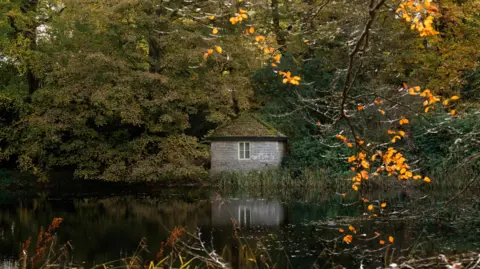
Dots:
pixel 247 126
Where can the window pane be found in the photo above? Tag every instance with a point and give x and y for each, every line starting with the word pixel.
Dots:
pixel 247 154
pixel 241 150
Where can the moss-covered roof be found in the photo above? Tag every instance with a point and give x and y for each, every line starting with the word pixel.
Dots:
pixel 247 125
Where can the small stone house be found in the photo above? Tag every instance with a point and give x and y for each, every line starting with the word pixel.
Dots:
pixel 245 144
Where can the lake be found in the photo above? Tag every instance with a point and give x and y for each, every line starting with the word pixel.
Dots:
pixel 298 230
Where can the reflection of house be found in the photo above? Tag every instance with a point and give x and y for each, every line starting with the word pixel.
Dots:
pixel 247 213
pixel 245 144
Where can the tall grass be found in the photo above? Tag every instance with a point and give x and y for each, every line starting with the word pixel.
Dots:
pixel 275 180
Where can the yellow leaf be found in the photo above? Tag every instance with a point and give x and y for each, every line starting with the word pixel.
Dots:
pixel 354 187
pixel 211 18
pixel 233 20
pixel 349 145
pixel 445 103
pixel 219 49
pixel 251 30
pixel 416 177
pixel 426 109
pixel 427 179
pixel 425 103
pixel 215 31
pixel 242 11
pixel 402 133
pixel 383 205
pixel 452 112
pixel 370 207
pixel 391 239
pixel 382 111
pixel 210 51
pixel 454 98
pixel 351 228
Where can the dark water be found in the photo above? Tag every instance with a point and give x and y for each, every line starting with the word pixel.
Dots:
pixel 297 231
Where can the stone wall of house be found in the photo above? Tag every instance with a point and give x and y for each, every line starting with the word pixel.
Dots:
pixel 263 154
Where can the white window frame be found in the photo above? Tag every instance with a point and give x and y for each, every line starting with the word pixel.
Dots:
pixel 244 151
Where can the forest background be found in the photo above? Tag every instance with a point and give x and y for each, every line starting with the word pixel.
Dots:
pixel 123 90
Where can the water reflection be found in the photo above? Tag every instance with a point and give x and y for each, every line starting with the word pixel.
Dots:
pixel 110 227
pixel 247 213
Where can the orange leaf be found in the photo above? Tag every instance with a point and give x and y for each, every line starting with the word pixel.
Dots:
pixel 427 179
pixel 215 31
pixel 348 239
pixel 259 38
pixel 211 18
pixel 354 187
pixel 360 107
pixel 382 111
pixel 218 49
pixel 370 207
pixel 277 58
pixel 381 242
pixel 391 239
pixel 383 205
pixel 403 121
pixel 452 112
pixel 341 230
pixel 251 30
